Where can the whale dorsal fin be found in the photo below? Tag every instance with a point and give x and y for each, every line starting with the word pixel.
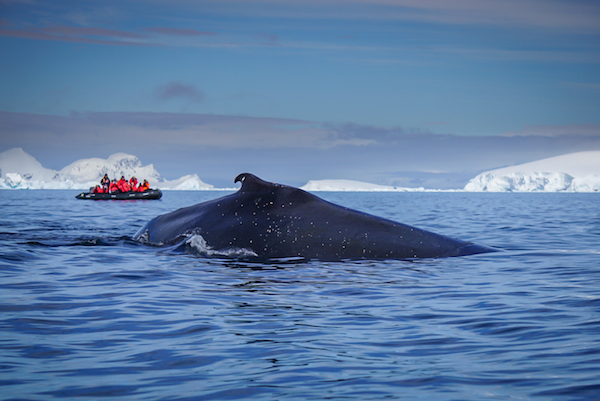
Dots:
pixel 250 182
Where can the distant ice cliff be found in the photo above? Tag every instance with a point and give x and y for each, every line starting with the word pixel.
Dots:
pixel 573 172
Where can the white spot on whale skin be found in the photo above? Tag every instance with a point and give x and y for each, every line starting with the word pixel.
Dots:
pixel 199 244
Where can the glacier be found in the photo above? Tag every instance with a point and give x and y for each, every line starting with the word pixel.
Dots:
pixel 573 172
pixel 20 170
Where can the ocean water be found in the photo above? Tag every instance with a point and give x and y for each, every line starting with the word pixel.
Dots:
pixel 86 313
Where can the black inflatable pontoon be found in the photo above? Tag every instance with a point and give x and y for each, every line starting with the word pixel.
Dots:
pixel 150 194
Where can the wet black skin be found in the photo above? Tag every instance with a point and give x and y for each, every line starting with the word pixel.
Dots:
pixel 278 221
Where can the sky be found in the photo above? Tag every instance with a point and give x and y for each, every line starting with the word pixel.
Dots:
pixel 395 92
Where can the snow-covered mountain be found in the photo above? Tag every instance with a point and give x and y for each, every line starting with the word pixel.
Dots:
pixel 117 165
pixel 19 170
pixel 574 172
pixel 350 185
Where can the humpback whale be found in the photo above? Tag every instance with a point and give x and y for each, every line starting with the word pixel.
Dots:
pixel 266 220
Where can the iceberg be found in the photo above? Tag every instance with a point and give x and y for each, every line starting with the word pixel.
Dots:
pixel 186 183
pixel 17 161
pixel 19 170
pixel 573 172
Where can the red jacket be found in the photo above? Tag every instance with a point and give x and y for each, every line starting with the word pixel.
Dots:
pixel 133 183
pixel 143 187
pixel 123 185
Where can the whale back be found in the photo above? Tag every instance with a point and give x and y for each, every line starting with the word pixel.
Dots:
pixel 278 221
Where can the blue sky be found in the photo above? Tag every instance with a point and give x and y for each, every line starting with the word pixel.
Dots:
pixel 401 92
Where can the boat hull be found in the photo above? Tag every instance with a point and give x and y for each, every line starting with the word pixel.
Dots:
pixel 150 194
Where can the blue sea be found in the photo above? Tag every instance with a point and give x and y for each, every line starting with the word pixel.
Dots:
pixel 87 314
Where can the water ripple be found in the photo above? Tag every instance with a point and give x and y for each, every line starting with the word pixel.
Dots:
pixel 86 313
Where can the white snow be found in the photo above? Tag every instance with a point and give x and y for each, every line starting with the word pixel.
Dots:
pixel 17 161
pixel 350 185
pixel 117 165
pixel 186 183
pixel 19 170
pixel 573 172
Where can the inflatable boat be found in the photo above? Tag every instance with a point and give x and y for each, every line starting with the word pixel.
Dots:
pixel 150 194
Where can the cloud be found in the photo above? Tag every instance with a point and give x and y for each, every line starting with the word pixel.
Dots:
pixel 218 147
pixel 583 85
pixel 70 31
pixel 561 15
pixel 371 134
pixel 268 37
pixel 52 22
pixel 176 130
pixel 97 36
pixel 153 36
pixel 178 31
pixel 524 13
pixel 558 130
pixel 553 14
pixel 177 90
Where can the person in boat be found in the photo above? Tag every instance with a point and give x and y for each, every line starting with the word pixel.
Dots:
pixel 113 187
pixel 98 190
pixel 145 186
pixel 105 182
pixel 123 185
pixel 133 184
